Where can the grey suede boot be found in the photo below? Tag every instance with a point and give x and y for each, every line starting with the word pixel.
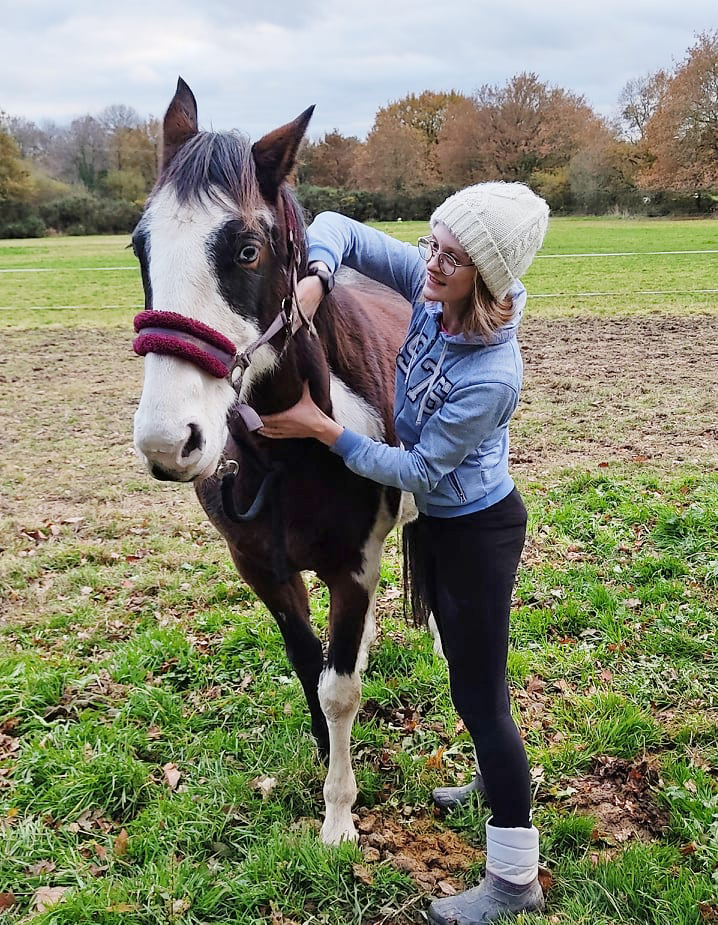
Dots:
pixel 449 797
pixel 490 901
pixel 511 884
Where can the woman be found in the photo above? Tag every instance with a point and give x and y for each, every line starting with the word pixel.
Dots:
pixel 457 383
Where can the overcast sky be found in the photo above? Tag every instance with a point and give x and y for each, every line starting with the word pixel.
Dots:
pixel 255 65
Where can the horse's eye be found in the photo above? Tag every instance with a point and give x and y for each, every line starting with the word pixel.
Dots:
pixel 248 254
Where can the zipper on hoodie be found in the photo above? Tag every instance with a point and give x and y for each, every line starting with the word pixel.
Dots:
pixel 454 479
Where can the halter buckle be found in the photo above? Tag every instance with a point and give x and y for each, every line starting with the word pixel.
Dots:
pixel 227 467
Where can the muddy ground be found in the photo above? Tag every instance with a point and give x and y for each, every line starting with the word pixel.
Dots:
pixel 641 389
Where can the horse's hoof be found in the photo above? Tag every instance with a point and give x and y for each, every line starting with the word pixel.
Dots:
pixel 338 831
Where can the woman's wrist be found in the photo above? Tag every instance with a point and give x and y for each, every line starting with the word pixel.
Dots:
pixel 328 431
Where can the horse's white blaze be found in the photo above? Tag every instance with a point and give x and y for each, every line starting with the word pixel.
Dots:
pixel 162 428
pixel 353 411
pixel 175 392
pixel 339 696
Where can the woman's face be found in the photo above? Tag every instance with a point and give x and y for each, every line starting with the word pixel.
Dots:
pixel 458 286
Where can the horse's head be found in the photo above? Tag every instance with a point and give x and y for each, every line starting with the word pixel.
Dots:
pixel 212 245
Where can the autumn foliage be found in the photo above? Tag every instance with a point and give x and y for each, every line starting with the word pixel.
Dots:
pixel 658 155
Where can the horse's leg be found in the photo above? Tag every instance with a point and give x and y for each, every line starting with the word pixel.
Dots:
pixel 289 605
pixel 352 629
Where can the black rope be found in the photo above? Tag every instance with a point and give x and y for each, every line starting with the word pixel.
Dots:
pixel 255 508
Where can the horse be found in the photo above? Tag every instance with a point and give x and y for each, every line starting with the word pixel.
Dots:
pixel 220 245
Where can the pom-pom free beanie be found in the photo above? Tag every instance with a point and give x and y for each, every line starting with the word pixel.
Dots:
pixel 500 226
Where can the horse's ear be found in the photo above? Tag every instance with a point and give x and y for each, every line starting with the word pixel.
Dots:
pixel 180 122
pixel 275 153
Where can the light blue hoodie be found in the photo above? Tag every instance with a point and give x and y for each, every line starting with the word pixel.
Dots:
pixel 455 393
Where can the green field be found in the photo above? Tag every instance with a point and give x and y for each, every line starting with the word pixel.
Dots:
pixel 130 652
pixel 90 280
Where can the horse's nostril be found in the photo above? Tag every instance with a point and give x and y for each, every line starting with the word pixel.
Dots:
pixel 195 441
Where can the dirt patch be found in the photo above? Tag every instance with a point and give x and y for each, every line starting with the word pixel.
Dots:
pixel 437 861
pixel 637 388
pixel 620 794
pixel 633 388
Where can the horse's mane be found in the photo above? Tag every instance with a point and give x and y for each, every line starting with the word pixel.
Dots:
pixel 217 166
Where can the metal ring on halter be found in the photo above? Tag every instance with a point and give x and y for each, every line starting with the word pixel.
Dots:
pixel 227 467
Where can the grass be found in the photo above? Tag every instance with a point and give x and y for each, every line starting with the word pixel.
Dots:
pixel 91 280
pixel 130 651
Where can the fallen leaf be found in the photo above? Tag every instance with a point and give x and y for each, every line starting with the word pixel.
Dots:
pixel 448 889
pixel 708 912
pixel 545 879
pixel 97 870
pixel 688 849
pixel 121 844
pixel 47 897
pixel 690 786
pixel 363 874
pixel 180 906
pixel 264 784
pixel 172 775
pixel 435 761
pixel 42 867
pixel 7 900
pixel 606 675
pixel 100 851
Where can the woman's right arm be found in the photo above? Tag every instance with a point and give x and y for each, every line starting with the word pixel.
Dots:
pixel 336 240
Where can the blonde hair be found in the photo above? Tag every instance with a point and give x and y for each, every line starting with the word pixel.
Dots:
pixel 486 314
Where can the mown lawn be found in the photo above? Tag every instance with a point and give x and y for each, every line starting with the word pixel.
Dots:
pixel 155 758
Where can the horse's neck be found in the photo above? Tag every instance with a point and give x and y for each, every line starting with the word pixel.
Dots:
pixel 280 388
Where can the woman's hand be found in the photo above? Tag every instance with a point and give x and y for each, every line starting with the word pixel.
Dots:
pixel 304 419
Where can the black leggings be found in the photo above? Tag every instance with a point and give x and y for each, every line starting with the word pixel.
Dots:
pixel 468 567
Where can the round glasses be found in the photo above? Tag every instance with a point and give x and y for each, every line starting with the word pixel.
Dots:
pixel 448 264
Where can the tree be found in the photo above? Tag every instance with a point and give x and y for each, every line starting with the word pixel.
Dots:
pixel 518 128
pixel 681 136
pixel 15 182
pixel 84 152
pixel 393 159
pixel 459 154
pixel 401 149
pixel 638 102
pixel 329 162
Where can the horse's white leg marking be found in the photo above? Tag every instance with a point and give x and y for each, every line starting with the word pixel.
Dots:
pixel 353 411
pixel 339 696
pixel 434 630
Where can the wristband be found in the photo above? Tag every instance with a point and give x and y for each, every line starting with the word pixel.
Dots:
pixel 327 278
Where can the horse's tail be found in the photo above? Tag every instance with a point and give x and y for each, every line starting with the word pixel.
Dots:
pixel 417 593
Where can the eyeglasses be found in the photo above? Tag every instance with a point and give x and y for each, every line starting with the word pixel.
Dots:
pixel 448 264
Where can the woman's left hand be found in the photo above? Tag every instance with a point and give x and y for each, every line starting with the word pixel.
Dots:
pixel 304 419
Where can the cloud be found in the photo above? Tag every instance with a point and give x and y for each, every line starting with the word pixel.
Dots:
pixel 255 66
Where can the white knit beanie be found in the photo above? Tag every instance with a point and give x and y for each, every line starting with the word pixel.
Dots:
pixel 500 226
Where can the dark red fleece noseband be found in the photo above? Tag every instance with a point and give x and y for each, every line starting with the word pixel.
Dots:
pixel 177 335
